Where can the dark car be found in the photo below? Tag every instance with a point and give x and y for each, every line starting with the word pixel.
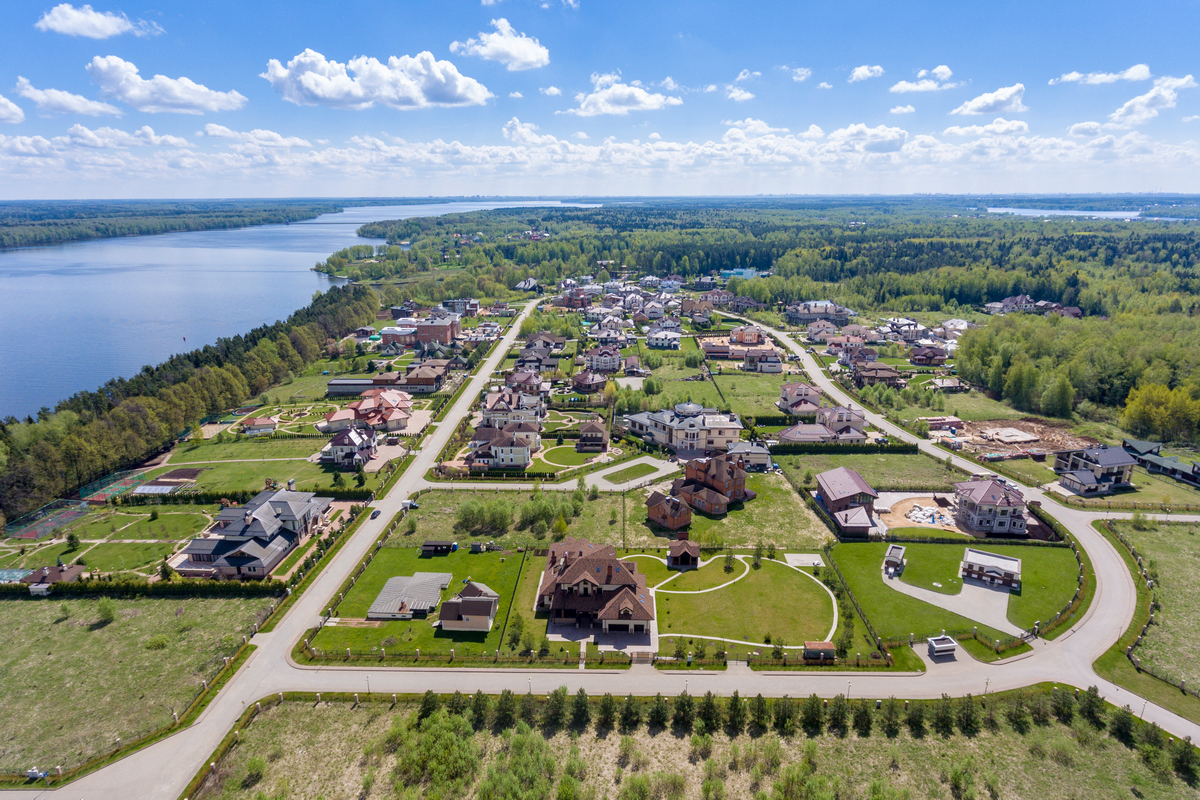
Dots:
pixel 375 513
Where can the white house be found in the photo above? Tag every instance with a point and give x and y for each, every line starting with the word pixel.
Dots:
pixel 669 340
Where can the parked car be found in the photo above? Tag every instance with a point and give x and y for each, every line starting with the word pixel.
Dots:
pixel 409 504
pixel 375 513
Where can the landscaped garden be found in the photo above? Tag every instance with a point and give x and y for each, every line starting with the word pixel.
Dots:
pixel 770 603
pixel 246 449
pixel 498 571
pixel 565 456
pixel 1048 582
pixel 105 669
pixel 567 745
pixel 882 471
pixel 629 473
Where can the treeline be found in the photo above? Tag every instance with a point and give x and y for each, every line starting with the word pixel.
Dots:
pixel 1094 363
pixel 25 224
pixel 895 253
pixel 94 433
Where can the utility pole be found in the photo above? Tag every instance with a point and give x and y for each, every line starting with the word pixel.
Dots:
pixel 624 543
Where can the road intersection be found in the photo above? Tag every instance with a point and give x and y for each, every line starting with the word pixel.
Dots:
pixel 163 770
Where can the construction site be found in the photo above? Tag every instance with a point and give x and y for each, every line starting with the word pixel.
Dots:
pixel 1003 439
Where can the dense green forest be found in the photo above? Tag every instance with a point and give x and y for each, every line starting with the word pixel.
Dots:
pixel 900 254
pixel 28 223
pixel 126 420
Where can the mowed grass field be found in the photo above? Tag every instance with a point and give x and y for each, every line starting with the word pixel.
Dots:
pixel 751 394
pixel 1047 576
pixel 72 685
pixel 499 571
pixel 435 519
pixel 772 602
pixel 311 750
pixel 883 471
pixel 968 406
pixel 629 473
pixel 776 515
pixel 246 450
pixel 232 476
pixel 1173 551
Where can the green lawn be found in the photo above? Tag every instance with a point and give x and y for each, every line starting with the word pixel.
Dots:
pixel 167 526
pixel 930 533
pixel 707 577
pixel 776 515
pixel 525 596
pixel 651 565
pixel 104 681
pixel 895 615
pixel 499 571
pixel 677 391
pixel 883 471
pixel 1028 472
pixel 566 456
pixel 247 450
pixel 101 525
pixel 968 406
pixel 774 601
pixel 564 421
pixel 1173 553
pixel 630 473
pixel 1047 576
pixel 750 394
pixel 436 516
pixel 122 557
pixel 1153 492
pixel 250 476
pixel 45 555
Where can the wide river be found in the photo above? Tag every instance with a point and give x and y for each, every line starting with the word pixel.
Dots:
pixel 74 316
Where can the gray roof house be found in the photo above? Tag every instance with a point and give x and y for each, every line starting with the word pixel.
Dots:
pixel 408 596
pixel 249 541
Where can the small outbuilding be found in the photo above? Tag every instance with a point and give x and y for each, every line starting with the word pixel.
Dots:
pixel 893 559
pixel 941 646
pixel 683 553
pixel 820 651
pixel 437 547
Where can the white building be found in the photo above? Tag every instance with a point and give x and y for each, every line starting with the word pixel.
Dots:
pixel 688 427
pixel 669 340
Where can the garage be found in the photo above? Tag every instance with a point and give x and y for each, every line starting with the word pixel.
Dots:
pixel 618 627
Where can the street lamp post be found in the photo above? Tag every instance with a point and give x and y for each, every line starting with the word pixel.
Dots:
pixel 986 682
pixel 847 690
pixel 368 686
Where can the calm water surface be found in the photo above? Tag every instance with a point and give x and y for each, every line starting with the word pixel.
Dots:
pixel 1059 212
pixel 76 315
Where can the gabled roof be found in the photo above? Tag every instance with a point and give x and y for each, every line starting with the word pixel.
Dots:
pixel 682 546
pixel 989 493
pixel 843 482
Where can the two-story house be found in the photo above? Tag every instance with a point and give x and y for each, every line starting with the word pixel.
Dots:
pixel 586 584
pixel 848 498
pixel 512 405
pixel 1095 470
pixel 686 428
pixel 605 358
pixel 990 507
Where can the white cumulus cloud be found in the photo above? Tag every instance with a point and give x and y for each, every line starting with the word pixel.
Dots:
pixel 580 135
pixel 1138 72
pixel 1192 118
pixel 56 101
pixel 10 112
pixel 1085 129
pixel 1145 107
pixel 119 79
pixel 902 110
pixel 551 91
pixel 404 82
pixel 670 84
pixel 801 74
pixel 112 137
pixel 997 127
pixel 750 125
pixel 864 72
pixel 85 21
pixel 258 136
pixel 746 75
pixel 824 85
pixel 514 50
pixel 610 96
pixel 524 133
pixel 1004 100
pixel 738 94
pixel 880 139
pixel 940 80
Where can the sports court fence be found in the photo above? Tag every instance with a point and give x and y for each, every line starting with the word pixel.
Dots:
pixel 45 520
pixel 117 483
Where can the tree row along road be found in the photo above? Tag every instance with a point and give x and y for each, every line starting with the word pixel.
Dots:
pixel 163 769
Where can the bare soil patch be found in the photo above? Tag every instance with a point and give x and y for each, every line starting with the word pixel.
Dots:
pixel 1048 436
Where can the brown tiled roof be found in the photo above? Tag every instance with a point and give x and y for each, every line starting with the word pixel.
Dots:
pixel 678 548
pixel 843 482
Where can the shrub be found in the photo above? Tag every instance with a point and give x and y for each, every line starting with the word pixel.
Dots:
pixel 660 712
pixel 862 718
pixel 158 642
pixel 683 711
pixel 106 610
pixel 631 713
pixel 255 767
pixel 606 716
pixel 668 786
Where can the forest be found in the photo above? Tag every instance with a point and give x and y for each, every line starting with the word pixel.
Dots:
pixel 896 254
pixel 123 422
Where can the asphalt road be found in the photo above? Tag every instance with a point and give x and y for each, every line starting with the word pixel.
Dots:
pixel 162 770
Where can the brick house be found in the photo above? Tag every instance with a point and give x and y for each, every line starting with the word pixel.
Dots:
pixel 593 437
pixel 589 585
pixel 683 553
pixel 990 507
pixel 669 512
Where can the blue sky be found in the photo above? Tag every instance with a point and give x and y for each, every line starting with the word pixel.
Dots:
pixel 589 97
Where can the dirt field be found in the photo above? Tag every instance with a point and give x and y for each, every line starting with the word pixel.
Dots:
pixel 1049 437
pixel 896 519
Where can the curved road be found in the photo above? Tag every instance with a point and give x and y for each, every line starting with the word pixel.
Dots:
pixel 163 769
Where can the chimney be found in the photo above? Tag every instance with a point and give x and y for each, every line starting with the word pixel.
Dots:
pixel 682 536
pixel 248 517
pixel 292 485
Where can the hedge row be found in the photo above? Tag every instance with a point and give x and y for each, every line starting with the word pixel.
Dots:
pixel 137 587
pixel 786 449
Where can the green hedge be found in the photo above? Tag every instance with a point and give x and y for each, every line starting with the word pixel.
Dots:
pixel 812 449
pixel 135 587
